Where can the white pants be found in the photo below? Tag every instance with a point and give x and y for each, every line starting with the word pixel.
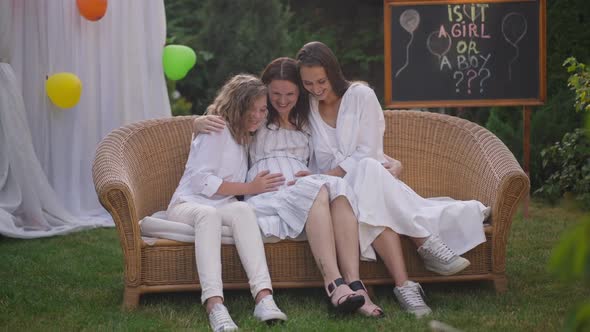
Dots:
pixel 207 221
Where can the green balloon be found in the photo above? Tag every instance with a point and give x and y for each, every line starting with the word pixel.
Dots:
pixel 177 61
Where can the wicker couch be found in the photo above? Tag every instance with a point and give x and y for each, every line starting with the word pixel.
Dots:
pixel 137 168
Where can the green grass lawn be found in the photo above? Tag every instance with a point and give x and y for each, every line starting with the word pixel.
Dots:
pixel 74 282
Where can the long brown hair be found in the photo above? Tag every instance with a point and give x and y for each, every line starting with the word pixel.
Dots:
pixel 318 54
pixel 233 101
pixel 286 69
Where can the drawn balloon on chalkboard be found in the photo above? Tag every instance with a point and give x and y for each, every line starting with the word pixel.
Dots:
pixel 514 28
pixel 438 44
pixel 409 20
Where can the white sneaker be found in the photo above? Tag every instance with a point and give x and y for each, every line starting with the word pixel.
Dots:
pixel 267 310
pixel 220 320
pixel 410 298
pixel 441 259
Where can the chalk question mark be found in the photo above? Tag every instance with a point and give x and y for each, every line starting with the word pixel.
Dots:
pixel 471 77
pixel 459 81
pixel 483 78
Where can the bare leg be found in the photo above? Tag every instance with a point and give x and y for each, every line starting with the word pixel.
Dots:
pixel 388 246
pixel 262 294
pixel 347 238
pixel 210 302
pixel 346 232
pixel 320 235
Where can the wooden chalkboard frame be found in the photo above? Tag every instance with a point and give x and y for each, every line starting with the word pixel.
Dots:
pixel 389 103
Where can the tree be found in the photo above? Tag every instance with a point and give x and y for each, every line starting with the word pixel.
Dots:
pixel 352 29
pixel 230 37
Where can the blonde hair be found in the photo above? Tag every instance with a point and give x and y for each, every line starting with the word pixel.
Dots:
pixel 233 100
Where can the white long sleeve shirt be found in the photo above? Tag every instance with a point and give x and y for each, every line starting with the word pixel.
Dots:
pixel 359 131
pixel 213 158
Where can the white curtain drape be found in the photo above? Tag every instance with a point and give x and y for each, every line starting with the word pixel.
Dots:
pixel 118 60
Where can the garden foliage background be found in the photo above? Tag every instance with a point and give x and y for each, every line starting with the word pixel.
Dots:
pixel 243 36
pixel 79 277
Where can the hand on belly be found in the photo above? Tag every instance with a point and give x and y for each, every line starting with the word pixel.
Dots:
pixel 298 175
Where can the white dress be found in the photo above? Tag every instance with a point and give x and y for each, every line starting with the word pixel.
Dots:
pixel 283 213
pixel 356 145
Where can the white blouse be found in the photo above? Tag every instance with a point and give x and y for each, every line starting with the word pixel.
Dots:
pixel 213 158
pixel 359 131
pixel 279 150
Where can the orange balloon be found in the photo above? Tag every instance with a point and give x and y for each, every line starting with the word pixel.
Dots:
pixel 93 10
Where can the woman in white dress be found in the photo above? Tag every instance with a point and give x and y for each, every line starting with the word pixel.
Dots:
pixel 323 205
pixel 347 129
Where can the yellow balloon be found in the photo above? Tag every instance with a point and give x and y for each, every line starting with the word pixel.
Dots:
pixel 64 89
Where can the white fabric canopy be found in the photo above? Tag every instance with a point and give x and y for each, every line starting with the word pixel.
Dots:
pixel 29 207
pixel 118 60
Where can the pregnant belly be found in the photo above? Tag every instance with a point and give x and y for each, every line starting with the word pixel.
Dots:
pixel 287 166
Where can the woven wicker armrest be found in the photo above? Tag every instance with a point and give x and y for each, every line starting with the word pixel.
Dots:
pixel 502 185
pixel 135 172
pixel 114 187
pixel 448 156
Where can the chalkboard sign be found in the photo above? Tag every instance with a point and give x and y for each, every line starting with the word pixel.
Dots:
pixel 453 53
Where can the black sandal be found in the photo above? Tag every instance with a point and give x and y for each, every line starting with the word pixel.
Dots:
pixel 344 299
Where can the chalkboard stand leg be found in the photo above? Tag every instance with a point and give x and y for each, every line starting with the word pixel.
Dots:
pixel 527 110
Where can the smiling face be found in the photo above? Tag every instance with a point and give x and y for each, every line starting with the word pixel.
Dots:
pixel 316 82
pixel 283 95
pixel 255 114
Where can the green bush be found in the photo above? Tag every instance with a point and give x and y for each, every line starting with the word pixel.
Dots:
pixel 579 82
pixel 548 125
pixel 571 159
pixel 570 261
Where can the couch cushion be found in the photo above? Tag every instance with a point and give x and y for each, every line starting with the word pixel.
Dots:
pixel 156 227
